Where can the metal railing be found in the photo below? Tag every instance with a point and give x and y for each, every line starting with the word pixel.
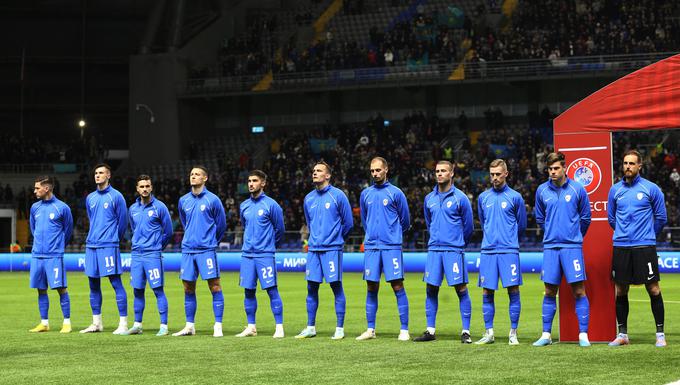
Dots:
pixel 427 73
pixel 414 240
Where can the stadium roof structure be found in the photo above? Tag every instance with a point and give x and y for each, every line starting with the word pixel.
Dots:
pixel 647 99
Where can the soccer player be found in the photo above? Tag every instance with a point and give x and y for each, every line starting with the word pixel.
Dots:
pixel 51 225
pixel 637 213
pixel 151 231
pixel 107 211
pixel 204 220
pixel 329 218
pixel 503 218
pixel 385 216
pixel 448 216
pixel 262 220
pixel 563 212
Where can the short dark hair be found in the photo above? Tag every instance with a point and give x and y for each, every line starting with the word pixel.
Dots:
pixel 202 168
pixel 381 159
pixel 555 157
pixel 106 166
pixel 634 152
pixel 498 163
pixel 446 162
pixel 328 167
pixel 258 173
pixel 142 177
pixel 45 180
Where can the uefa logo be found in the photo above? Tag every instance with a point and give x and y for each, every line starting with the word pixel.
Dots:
pixel 586 172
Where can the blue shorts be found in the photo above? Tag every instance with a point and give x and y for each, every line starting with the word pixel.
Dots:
pixel 254 268
pixel 389 262
pixel 503 265
pixel 557 262
pixel 47 271
pixel 147 267
pixel 102 262
pixel 449 263
pixel 324 264
pixel 204 263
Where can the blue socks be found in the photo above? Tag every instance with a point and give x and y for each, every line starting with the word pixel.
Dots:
pixel 139 304
pixel 582 313
pixel 515 309
pixel 250 305
pixel 431 305
pixel 488 310
pixel 465 306
pixel 548 312
pixel 43 305
pixel 371 307
pixel 162 301
pixel 312 302
pixel 340 303
pixel 65 302
pixel 276 304
pixel 95 296
pixel 190 306
pixel 402 307
pixel 218 305
pixel 121 296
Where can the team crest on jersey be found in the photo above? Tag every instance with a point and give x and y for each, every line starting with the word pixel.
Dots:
pixel 385 202
pixel 368 271
pixel 260 212
pixel 639 196
pixel 202 207
pixel 504 204
pixel 51 215
pixel 567 197
pixel 481 279
pixel 150 213
pixel 328 205
pixel 586 172
pixel 448 204
pixel 106 205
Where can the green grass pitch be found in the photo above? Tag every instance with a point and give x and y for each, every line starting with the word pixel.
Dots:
pixel 102 358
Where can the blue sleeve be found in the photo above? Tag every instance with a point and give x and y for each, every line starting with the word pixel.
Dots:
pixel 539 210
pixel 68 223
pixel 166 223
pixel 304 210
pixel 404 217
pixel 346 215
pixel 611 208
pixel 181 213
pixel 584 211
pixel 466 217
pixel 243 219
pixel 130 220
pixel 427 214
pixel 277 221
pixel 480 211
pixel 220 219
pixel 121 209
pixel 88 209
pixel 521 215
pixel 31 220
pixel 362 209
pixel 659 208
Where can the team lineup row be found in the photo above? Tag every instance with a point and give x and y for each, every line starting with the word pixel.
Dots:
pixel 636 212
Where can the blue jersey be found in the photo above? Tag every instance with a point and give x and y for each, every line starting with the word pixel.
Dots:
pixel 503 218
pixel 448 217
pixel 203 219
pixel 51 225
pixel 262 221
pixel 384 214
pixel 151 226
pixel 107 211
pixel 636 212
pixel 563 213
pixel 329 218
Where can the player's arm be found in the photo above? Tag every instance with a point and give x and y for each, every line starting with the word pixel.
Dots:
pixel 480 211
pixel 220 219
pixel 659 208
pixel 31 220
pixel 402 209
pixel 166 224
pixel 345 215
pixel 466 217
pixel 427 214
pixel 277 220
pixel 305 210
pixel 181 213
pixel 611 208
pixel 539 210
pixel 121 212
pixel 584 211
pixel 362 209
pixel 67 223
pixel 520 215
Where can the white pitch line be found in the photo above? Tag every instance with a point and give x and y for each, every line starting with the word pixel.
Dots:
pixel 674 383
pixel 582 149
pixel 646 300
pixel 598 219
